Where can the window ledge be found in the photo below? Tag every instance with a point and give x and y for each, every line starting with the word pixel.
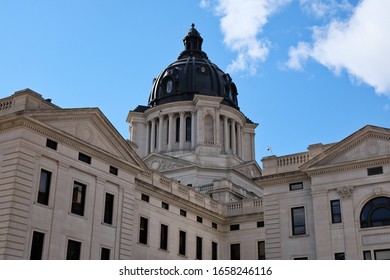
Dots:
pixel 299 236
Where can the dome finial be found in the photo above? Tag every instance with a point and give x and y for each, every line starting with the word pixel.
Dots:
pixel 193 25
pixel 193 44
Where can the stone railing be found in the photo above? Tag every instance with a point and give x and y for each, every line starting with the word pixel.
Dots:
pixel 248 206
pixel 174 187
pixel 6 104
pixel 293 159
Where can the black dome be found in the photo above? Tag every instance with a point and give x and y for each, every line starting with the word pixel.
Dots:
pixel 192 73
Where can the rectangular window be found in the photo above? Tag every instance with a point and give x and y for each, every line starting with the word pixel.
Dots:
pixel 74 250
pixel 143 231
pixel 298 221
pixel 44 187
pixel 260 224
pixel 164 237
pixel 382 254
pixel 214 225
pixel 145 197
pixel 199 248
pixel 78 198
pixel 37 245
pixel 113 170
pixel 214 251
pixel 199 219
pixel 109 208
pixel 165 205
pixel 183 213
pixel 105 254
pixel 84 158
pixel 301 258
pixel 367 255
pixel 336 211
pixel 296 186
pixel 260 250
pixel 235 252
pixel 374 170
pixel 182 243
pixel 234 227
pixel 339 256
pixel 51 144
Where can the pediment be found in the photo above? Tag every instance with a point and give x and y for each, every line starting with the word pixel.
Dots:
pixel 163 163
pixel 250 170
pixel 369 143
pixel 92 127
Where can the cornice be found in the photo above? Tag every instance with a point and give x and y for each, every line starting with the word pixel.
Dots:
pixel 282 178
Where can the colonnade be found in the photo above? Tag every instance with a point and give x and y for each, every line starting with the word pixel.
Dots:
pixel 185 130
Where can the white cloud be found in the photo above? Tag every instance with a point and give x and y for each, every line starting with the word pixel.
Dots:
pixel 241 23
pixel 325 8
pixel 359 45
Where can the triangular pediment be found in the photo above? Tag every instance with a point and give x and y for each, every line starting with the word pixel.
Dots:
pixel 368 143
pixel 90 126
pixel 250 169
pixel 163 163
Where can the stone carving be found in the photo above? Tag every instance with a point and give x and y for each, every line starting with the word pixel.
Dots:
pixel 345 192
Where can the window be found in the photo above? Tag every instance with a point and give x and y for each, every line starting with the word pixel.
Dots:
pixel 51 144
pixel 367 255
pixel 74 250
pixel 113 170
pixel 143 231
pixel 84 158
pixel 44 187
pixel 339 256
pixel 188 129
pixel 78 198
pixel 301 258
pixel 37 245
pixel 235 227
pixel 336 211
pixel 298 221
pixel 214 225
pixel 260 224
pixel 199 241
pixel 375 171
pixel 261 250
pixel 296 186
pixel 376 213
pixel 214 251
pixel 235 251
pixel 199 219
pixel 109 208
pixel 183 213
pixel 145 197
pixel 165 205
pixel 382 254
pixel 177 129
pixel 164 237
pixel 105 254
pixel 182 243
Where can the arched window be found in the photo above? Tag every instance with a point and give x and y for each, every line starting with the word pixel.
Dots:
pixel 376 213
pixel 177 129
pixel 188 129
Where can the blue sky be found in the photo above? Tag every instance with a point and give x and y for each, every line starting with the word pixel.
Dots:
pixel 306 71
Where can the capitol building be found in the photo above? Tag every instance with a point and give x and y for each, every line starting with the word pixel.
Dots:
pixel 186 184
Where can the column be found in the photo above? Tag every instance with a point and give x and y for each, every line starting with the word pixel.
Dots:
pixel 170 131
pixel 226 132
pixel 147 148
pixel 182 131
pixel 160 133
pixel 239 140
pixel 153 136
pixel 217 129
pixel 234 143
pixel 193 130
